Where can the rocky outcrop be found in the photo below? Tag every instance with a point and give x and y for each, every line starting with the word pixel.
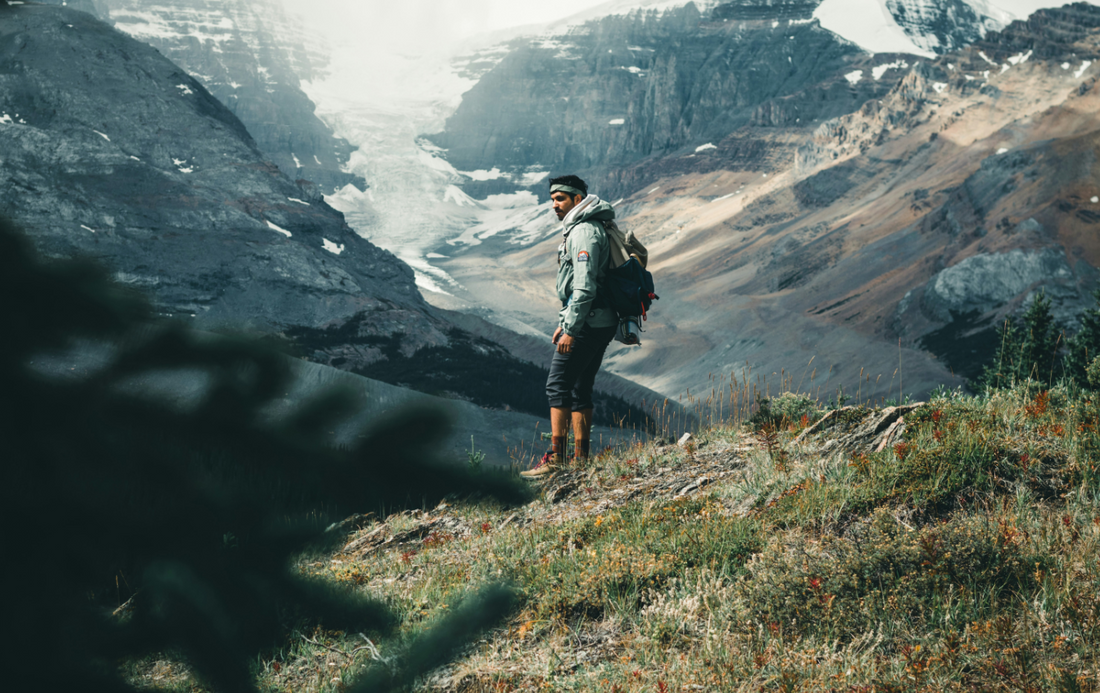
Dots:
pixel 1046 34
pixel 987 281
pixel 250 56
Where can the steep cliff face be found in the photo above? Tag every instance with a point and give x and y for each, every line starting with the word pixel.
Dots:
pixel 110 150
pixel 626 88
pixel 942 26
pixel 250 56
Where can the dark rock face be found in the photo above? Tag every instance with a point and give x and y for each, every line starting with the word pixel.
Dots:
pixel 941 26
pixel 250 56
pixel 1047 33
pixel 110 150
pixel 626 88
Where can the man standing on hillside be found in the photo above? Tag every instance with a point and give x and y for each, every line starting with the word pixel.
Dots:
pixel 585 327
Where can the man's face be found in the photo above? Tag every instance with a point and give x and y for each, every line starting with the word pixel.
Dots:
pixel 563 203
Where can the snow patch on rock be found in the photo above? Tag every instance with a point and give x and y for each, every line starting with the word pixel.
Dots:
pixel 617 121
pixel 878 71
pixel 1081 70
pixel 483 175
pixel 330 246
pixel 301 202
pixel 854 77
pixel 102 135
pixel 523 198
pixel 184 89
pixel 281 230
pixel 705 147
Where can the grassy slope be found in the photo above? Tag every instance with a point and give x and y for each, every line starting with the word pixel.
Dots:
pixel 962 558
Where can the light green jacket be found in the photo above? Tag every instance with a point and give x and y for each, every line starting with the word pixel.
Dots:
pixel 582 261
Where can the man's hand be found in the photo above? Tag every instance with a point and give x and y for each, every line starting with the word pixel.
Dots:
pixel 565 343
pixel 557 333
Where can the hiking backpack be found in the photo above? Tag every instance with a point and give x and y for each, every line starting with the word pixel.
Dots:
pixel 627 286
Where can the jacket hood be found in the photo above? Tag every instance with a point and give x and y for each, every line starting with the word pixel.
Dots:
pixel 591 208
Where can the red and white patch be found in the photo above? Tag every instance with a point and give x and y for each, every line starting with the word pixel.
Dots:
pixel 582 256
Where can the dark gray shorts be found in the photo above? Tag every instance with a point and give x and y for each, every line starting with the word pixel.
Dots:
pixel 573 375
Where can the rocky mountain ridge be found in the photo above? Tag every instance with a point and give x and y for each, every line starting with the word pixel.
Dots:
pixel 626 88
pixel 253 57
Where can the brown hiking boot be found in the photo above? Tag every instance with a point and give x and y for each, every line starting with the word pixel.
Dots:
pixel 550 463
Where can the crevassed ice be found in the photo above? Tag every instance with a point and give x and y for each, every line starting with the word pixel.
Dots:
pixel 281 230
pixel 455 195
pixel 330 246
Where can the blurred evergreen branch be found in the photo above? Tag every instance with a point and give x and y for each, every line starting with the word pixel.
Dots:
pixel 198 509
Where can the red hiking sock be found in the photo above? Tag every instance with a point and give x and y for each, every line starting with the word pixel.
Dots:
pixel 557 444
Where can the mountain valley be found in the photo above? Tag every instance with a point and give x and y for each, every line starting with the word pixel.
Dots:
pixel 119 155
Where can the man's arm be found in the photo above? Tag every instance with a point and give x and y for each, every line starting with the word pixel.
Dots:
pixel 586 258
